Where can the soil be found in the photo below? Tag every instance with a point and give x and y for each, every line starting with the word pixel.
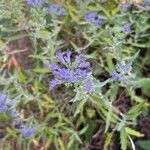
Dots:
pixel 24 48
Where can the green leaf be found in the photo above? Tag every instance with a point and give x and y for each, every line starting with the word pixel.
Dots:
pixel 144 144
pixel 97 100
pixel 40 70
pixel 37 86
pixel 11 132
pixel 133 57
pixel 99 85
pixel 21 77
pixel 135 110
pixel 108 140
pixel 82 131
pixel 79 107
pixel 110 63
pixel 123 139
pixel 133 132
pixel 103 108
pixel 108 119
pixel 90 112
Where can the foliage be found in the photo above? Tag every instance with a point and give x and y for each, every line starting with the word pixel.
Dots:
pixel 70 73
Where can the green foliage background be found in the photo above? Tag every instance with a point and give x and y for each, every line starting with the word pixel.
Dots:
pixel 61 124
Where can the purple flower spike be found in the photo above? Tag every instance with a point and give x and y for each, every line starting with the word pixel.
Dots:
pixel 53 83
pixel 121 69
pixel 126 28
pixel 114 75
pixel 80 73
pixel 94 18
pixel 60 56
pixel 78 59
pixel 68 55
pixel 69 71
pixel 90 16
pixel 53 67
pixel 88 86
pixel 125 6
pixel 147 1
pixel 26 132
pixel 14 113
pixel 99 21
pixel 84 64
pixel 3 108
pixel 3 102
pixel 3 96
pixel 56 10
pixel 35 3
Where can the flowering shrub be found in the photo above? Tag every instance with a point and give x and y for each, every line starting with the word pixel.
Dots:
pixel 74 74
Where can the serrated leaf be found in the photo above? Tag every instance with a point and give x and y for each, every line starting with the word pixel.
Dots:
pixel 133 132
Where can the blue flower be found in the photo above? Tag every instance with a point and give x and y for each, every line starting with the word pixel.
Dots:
pixel 56 10
pixel 3 108
pixel 123 68
pixel 3 102
pixel 53 83
pixel 120 72
pixel 126 27
pixel 125 5
pixel 84 64
pixel 70 71
pixel 8 105
pixel 93 18
pixel 35 3
pixel 147 1
pixel 26 131
pixel 99 20
pixel 88 86
pixel 14 112
pixel 90 16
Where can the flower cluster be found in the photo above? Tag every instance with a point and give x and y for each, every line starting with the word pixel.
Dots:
pixel 26 131
pixel 124 5
pixel 120 72
pixel 147 1
pixel 35 3
pixel 7 104
pixel 93 18
pixel 126 27
pixel 56 10
pixel 71 72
